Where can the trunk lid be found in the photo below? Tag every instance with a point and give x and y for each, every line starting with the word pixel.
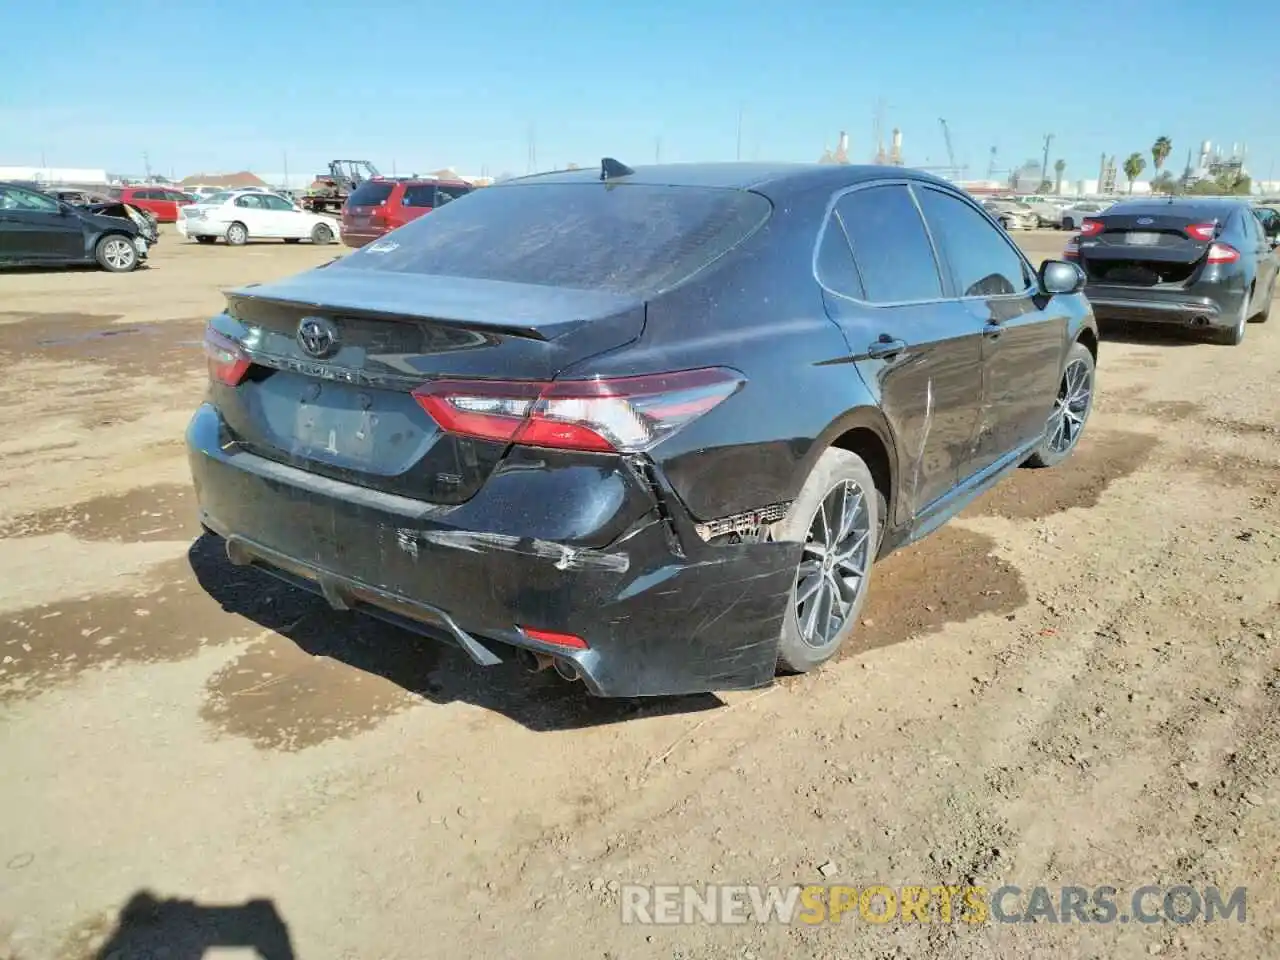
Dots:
pixel 1144 248
pixel 335 399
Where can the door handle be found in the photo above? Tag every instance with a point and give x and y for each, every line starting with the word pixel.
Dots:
pixel 886 347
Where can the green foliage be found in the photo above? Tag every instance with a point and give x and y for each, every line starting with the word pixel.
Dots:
pixel 1160 151
pixel 1134 164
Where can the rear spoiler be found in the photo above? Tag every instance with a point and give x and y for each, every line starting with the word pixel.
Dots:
pixel 527 310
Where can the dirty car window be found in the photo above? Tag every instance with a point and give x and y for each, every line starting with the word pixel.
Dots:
pixel 624 238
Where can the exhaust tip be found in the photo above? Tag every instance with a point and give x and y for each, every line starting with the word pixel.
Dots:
pixel 567 669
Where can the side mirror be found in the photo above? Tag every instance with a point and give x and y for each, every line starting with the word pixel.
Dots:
pixel 1058 276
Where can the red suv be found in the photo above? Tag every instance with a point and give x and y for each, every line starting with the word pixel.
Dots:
pixel 378 206
pixel 161 202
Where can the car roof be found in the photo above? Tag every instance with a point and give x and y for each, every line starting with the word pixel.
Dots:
pixel 772 179
pixel 1193 206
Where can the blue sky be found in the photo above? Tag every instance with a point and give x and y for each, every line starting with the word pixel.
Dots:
pixel 233 84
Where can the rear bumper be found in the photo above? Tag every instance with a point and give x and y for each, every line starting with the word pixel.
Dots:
pixel 661 611
pixel 1145 305
pixel 357 238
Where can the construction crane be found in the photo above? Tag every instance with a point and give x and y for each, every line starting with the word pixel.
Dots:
pixel 951 153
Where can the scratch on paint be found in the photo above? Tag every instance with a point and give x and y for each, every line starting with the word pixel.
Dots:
pixel 408 542
pixel 565 557
pixel 924 440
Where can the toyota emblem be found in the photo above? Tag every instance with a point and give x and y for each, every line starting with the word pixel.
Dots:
pixel 318 337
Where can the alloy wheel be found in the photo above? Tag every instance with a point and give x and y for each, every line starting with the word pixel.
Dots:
pixel 1071 409
pixel 119 254
pixel 833 566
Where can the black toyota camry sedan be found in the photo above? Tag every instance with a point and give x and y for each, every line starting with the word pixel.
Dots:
pixel 652 426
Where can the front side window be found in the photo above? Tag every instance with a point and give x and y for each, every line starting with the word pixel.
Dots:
pixel 15 198
pixel 890 245
pixel 982 262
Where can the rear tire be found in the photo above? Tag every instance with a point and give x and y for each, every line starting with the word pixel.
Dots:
pixel 321 234
pixel 840 498
pixel 116 253
pixel 237 234
pixel 1266 309
pixel 1068 223
pixel 1234 336
pixel 1070 411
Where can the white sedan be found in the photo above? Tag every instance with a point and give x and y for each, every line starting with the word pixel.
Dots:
pixel 239 216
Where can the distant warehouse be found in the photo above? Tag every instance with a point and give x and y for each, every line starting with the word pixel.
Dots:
pixel 81 175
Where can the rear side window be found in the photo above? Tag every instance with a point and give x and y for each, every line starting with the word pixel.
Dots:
pixel 982 262
pixel 625 238
pixel 419 195
pixel 836 270
pixel 449 191
pixel 890 246
pixel 370 194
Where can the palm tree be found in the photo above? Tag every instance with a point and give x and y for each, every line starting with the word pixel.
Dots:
pixel 1058 167
pixel 1160 151
pixel 1133 166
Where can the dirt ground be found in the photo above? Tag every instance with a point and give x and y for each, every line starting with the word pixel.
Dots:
pixel 1075 682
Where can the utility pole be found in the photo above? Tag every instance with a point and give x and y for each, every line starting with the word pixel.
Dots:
pixel 287 185
pixel 1044 164
pixel 738 154
pixel 146 163
pixel 532 159
pixel 657 149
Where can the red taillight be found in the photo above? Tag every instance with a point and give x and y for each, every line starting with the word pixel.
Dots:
pixel 1222 253
pixel 623 415
pixel 227 362
pixel 1071 251
pixel 1091 228
pixel 558 639
pixel 1202 231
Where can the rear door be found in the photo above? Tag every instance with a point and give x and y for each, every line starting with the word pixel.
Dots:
pixel 917 348
pixel 34 227
pixel 253 213
pixel 418 198
pixel 1023 334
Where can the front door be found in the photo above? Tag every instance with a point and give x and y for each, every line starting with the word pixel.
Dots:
pixel 1023 333
pixel 917 350
pixel 35 227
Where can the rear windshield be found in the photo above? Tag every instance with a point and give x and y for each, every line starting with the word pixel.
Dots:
pixel 369 194
pixel 623 238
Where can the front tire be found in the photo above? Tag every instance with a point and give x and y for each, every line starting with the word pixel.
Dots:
pixel 237 234
pixel 1071 409
pixel 321 234
pixel 837 518
pixel 116 253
